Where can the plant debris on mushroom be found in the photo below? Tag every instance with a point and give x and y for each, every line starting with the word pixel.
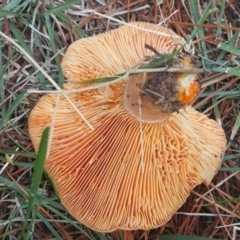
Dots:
pixel 141 161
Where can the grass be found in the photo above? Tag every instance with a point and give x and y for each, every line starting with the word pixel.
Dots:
pixel 35 35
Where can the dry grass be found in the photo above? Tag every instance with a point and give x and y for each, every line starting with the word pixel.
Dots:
pixel 210 211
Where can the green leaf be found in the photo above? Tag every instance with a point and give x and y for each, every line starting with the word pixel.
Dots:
pixel 229 70
pixel 12 4
pixel 21 41
pixel 79 31
pixel 11 109
pixel 12 185
pixel 231 156
pixel 9 223
pixel 13 152
pixel 220 17
pixel 236 199
pixel 229 48
pixel 232 40
pixel 235 127
pixel 230 169
pixel 64 217
pixel 8 13
pixel 53 46
pixel 19 36
pixel 61 7
pixel 2 83
pixel 39 164
pixel 226 94
pixel 198 30
pixel 48 225
pixel 36 180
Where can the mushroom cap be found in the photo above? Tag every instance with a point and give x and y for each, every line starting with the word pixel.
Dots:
pixel 116 51
pixel 126 173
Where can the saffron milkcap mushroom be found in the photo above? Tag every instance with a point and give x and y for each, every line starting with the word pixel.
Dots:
pixel 138 165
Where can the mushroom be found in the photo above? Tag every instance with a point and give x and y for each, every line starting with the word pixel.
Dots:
pixel 140 163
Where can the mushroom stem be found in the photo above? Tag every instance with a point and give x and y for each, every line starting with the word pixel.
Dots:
pixel 138 105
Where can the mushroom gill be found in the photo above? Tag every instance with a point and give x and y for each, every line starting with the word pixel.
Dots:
pixel 126 173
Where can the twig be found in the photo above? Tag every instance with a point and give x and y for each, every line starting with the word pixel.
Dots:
pixel 138 71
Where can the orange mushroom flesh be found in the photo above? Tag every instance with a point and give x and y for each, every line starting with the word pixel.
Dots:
pixel 139 164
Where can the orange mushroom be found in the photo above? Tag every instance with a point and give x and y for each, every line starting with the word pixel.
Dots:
pixel 140 163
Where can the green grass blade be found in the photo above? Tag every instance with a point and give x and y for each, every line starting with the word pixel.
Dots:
pixel 19 36
pixel 230 169
pixel 13 152
pixel 229 70
pixel 9 224
pixel 64 217
pixel 48 225
pixel 231 200
pixel 234 94
pixel 11 109
pixel 53 46
pixel 2 84
pixel 235 127
pixel 79 31
pixel 61 7
pixel 220 17
pixel 36 180
pixel 233 72
pixel 12 5
pixel 230 42
pixel 7 13
pixel 231 156
pixel 229 48
pixel 208 10
pixel 21 41
pixel 13 186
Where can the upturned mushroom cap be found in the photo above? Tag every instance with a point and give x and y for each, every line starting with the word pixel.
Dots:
pixel 126 173
pixel 116 51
